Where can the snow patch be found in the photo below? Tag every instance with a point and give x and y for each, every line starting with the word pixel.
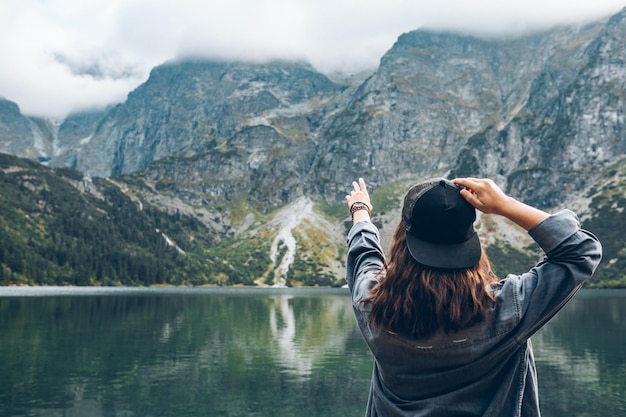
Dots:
pixel 39 141
pixel 258 121
pixel 251 89
pixel 291 110
pixel 170 242
pixel 286 220
pixel 85 140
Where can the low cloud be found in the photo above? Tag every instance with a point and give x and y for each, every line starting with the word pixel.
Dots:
pixel 67 55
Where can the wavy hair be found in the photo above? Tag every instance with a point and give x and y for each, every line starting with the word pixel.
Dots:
pixel 416 301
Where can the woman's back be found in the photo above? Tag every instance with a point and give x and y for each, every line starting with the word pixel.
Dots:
pixel 486 368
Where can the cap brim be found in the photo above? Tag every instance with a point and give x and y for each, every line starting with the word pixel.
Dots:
pixel 456 256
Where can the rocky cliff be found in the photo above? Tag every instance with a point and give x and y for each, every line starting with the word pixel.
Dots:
pixel 541 114
pixel 24 136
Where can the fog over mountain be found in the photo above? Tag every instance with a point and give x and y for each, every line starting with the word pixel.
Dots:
pixel 67 56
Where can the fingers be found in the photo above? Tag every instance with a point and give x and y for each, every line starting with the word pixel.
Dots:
pixel 477 186
pixel 360 186
pixel 483 194
pixel 471 198
pixel 471 183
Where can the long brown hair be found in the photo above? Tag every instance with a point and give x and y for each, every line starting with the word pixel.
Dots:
pixel 414 300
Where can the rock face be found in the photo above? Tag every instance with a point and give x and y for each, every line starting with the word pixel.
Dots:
pixel 543 114
pixel 23 136
pixel 191 108
pixel 571 128
pixel 239 145
pixel 442 102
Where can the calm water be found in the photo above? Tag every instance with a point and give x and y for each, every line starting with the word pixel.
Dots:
pixel 174 352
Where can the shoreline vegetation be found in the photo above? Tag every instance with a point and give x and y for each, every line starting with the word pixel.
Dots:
pixel 235 287
pixel 165 286
pixel 71 290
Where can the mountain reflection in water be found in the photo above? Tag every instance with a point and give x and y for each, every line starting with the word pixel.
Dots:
pixel 239 352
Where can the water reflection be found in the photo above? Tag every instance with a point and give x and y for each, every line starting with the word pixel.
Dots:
pixel 254 353
pixel 303 343
pixel 283 326
pixel 580 357
pixel 182 354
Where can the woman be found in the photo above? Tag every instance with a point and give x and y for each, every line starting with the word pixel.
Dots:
pixel 448 337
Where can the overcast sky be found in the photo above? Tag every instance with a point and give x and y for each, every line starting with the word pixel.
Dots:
pixel 60 56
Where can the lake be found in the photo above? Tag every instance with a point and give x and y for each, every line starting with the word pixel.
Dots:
pixel 131 352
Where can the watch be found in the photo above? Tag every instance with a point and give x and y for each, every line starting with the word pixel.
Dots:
pixel 359 205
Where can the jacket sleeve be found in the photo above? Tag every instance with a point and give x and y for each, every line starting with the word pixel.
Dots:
pixel 365 260
pixel 571 257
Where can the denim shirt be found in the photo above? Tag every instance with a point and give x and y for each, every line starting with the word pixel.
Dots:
pixel 487 369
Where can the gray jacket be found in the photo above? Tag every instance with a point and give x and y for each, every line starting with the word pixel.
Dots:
pixel 487 369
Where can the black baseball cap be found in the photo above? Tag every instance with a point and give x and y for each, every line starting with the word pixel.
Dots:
pixel 439 225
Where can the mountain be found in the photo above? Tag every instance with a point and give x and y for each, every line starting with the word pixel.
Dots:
pixel 40 139
pixel 27 137
pixel 60 228
pixel 262 149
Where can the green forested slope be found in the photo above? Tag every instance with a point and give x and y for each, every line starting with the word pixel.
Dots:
pixel 58 228
pixel 54 232
pixel 607 220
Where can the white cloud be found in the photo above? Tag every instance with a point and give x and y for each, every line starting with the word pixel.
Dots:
pixel 60 56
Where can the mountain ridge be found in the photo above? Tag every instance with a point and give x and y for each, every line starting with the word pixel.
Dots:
pixel 238 142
